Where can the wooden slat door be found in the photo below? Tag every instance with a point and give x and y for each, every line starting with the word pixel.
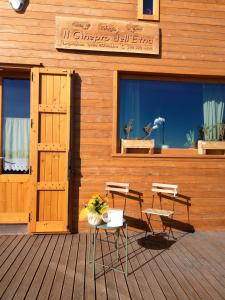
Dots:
pixel 50 144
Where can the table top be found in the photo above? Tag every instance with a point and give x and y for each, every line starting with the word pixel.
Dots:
pixel 105 226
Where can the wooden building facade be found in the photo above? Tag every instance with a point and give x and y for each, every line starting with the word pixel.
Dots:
pixel 74 134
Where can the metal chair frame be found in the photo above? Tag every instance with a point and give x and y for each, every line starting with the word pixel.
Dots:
pixel 161 189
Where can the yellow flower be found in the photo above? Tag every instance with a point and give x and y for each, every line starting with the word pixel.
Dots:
pixel 103 210
pixel 96 204
pixel 83 214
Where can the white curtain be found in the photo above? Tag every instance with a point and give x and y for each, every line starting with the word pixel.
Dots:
pixel 16 140
pixel 132 108
pixel 213 109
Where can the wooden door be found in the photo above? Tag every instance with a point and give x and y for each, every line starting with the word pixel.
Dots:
pixel 50 144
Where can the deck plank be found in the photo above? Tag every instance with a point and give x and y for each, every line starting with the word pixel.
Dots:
pixel 9 256
pixel 26 282
pixel 208 256
pixel 111 286
pixel 8 248
pixel 100 282
pixel 209 269
pixel 196 273
pixel 18 269
pixel 154 287
pixel 90 283
pixel 56 266
pixel 121 280
pixel 50 274
pixel 131 280
pixel 190 273
pixel 42 269
pixel 148 262
pixel 208 281
pixel 214 247
pixel 188 289
pixel 67 290
pixel 61 270
pixel 6 243
pixel 3 238
pixel 175 285
pixel 79 286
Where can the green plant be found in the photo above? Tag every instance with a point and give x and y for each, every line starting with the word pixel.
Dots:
pixel 190 137
pixel 221 129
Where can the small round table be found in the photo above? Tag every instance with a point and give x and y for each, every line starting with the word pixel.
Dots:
pixel 92 245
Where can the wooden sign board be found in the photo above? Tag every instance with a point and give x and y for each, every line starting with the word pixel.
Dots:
pixel 106 35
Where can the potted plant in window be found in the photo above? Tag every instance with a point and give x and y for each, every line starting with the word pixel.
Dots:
pixel 190 137
pixel 213 128
pixel 143 143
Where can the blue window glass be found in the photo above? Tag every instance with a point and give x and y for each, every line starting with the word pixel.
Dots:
pixel 16 98
pixel 180 104
pixel 16 125
pixel 148 7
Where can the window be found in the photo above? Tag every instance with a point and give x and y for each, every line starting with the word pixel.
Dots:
pixel 148 10
pixel 15 125
pixel 174 112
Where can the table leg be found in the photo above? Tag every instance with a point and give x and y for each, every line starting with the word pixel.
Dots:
pixel 94 248
pixel 126 255
pixel 89 246
pixel 117 243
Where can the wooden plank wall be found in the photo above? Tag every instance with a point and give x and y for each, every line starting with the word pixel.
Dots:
pixel 192 43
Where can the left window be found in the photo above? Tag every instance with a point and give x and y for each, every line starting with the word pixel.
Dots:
pixel 148 10
pixel 15 125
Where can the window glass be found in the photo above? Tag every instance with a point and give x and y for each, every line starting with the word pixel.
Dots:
pixel 16 125
pixel 148 7
pixel 181 104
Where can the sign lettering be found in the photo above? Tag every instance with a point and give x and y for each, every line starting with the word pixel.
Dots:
pixel 106 35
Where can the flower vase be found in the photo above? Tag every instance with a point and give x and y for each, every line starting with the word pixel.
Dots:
pixel 94 219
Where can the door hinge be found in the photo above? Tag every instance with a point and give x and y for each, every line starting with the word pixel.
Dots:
pixel 31 123
pixel 30 170
pixel 30 216
pixel 32 76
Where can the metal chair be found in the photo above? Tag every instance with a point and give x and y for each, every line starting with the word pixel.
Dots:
pixel 162 190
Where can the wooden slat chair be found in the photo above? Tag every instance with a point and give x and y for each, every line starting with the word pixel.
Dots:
pixel 120 188
pixel 161 189
pixel 117 187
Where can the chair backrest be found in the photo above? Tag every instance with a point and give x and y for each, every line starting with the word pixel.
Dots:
pixel 165 188
pixel 119 187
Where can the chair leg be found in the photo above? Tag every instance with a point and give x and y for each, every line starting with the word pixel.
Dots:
pixel 171 220
pixel 148 225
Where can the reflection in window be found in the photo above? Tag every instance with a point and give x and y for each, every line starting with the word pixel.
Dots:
pixel 187 108
pixel 16 125
pixel 148 7
pixel 148 10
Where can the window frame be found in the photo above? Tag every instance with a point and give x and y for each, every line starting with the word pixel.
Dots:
pixel 14 74
pixel 154 16
pixel 170 152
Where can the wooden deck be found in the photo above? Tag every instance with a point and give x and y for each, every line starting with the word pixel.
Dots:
pixel 56 267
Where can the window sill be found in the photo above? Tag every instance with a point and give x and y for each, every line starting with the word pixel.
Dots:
pixel 169 155
pixel 148 17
